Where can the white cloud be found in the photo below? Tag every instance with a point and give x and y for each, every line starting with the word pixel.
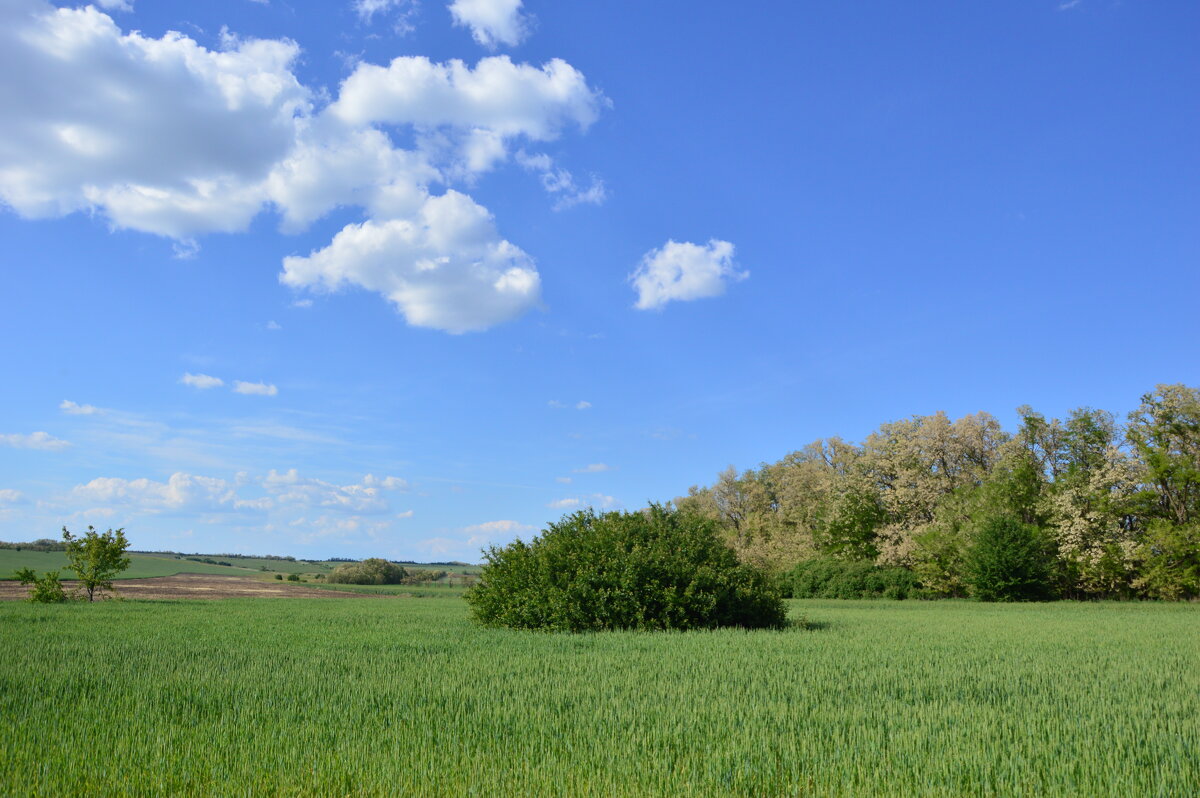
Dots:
pixel 405 514
pixel 180 491
pixel 73 409
pixel 35 440
pixel 497 96
pixel 165 136
pixel 563 480
pixel 582 405
pixel 115 5
pixel 201 381
pixel 598 500
pixel 593 468
pixel 446 268
pixel 289 488
pixel 492 22
pixel 561 183
pixel 254 388
pixel 10 496
pixel 684 271
pixel 274 325
pixel 492 529
pixel 161 135
pixel 403 12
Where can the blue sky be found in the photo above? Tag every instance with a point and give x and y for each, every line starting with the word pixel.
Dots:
pixel 378 277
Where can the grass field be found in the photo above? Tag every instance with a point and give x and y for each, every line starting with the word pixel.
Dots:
pixel 141 565
pixel 144 565
pixel 407 697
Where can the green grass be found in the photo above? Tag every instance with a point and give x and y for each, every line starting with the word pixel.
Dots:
pixel 145 565
pixel 407 697
pixel 140 567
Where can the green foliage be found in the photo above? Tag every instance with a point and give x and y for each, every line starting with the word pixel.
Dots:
pixel 839 579
pixel 293 577
pixel 1172 560
pixel 1008 561
pixel 47 588
pixel 96 558
pixel 653 569
pixel 372 571
pixel 279 576
pixel 850 529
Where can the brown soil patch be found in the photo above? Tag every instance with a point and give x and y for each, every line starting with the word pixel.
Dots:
pixel 199 586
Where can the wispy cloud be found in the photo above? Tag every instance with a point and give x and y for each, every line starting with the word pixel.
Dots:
pixel 201 381
pixel 34 440
pixel 592 468
pixel 254 388
pixel 73 409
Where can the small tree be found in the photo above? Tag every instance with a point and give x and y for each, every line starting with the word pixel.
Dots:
pixel 1008 562
pixel 96 558
pixel 47 589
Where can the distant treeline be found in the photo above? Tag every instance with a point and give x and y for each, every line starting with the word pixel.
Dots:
pixel 1110 510
pixel 375 571
pixel 41 544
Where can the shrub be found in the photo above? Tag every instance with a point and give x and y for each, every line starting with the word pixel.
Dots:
pixel 1008 561
pixel 47 589
pixel 293 577
pixel 279 576
pixel 653 569
pixel 840 579
pixel 372 571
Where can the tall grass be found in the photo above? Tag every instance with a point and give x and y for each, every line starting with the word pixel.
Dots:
pixel 406 697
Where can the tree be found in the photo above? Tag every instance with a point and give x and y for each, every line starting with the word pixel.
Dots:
pixel 658 568
pixel 1007 561
pixel 96 558
pixel 371 571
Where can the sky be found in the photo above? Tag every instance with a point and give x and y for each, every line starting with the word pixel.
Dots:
pixel 410 278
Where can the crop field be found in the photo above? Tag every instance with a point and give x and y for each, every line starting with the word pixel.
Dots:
pixel 141 565
pixel 407 697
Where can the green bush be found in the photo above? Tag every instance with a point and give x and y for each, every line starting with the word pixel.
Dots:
pixel 1009 561
pixel 293 577
pixel 47 588
pixel 372 571
pixel 841 579
pixel 279 576
pixel 653 569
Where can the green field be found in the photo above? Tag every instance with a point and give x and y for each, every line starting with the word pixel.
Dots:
pixel 145 565
pixel 141 565
pixel 407 697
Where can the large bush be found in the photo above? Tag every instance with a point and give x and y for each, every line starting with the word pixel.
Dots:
pixel 840 579
pixel 372 571
pixel 652 569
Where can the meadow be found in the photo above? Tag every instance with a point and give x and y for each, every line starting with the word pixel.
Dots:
pixel 408 697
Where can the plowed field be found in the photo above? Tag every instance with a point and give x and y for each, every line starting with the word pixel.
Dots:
pixel 200 586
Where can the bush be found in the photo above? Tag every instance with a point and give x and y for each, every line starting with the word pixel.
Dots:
pixel 293 577
pixel 840 579
pixel 653 569
pixel 1008 561
pixel 279 576
pixel 47 588
pixel 372 571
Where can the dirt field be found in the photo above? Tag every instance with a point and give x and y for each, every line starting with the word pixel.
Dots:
pixel 199 586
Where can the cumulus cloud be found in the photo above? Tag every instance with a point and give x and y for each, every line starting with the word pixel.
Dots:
pixel 594 500
pixel 180 491
pixel 492 22
pixel 682 271
pixel 445 269
pixel 254 388
pixel 165 136
pixel 289 488
pixel 201 381
pixel 583 405
pixel 34 440
pixel 73 409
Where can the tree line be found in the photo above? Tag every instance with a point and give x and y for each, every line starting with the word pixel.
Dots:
pixel 1086 506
